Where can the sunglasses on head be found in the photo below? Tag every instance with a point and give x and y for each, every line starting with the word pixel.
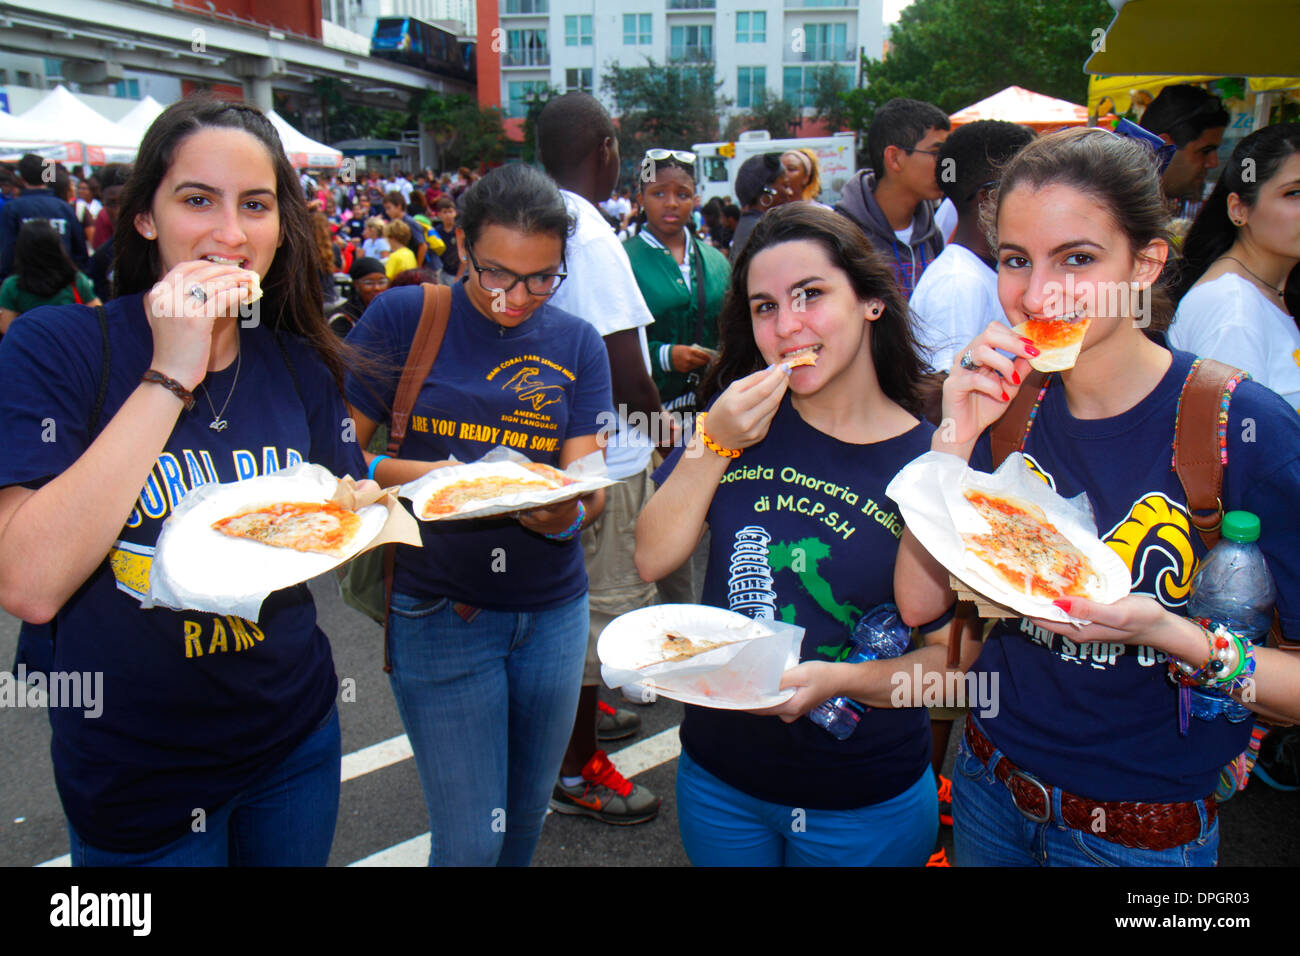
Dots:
pixel 681 155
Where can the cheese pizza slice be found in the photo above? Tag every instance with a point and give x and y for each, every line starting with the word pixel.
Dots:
pixel 465 495
pixel 1057 341
pixel 321 527
pixel 1025 550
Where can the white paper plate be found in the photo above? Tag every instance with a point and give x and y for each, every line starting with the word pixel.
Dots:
pixel 744 674
pixel 200 568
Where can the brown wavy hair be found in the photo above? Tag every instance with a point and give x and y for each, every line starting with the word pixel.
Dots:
pixel 291 300
pixel 894 351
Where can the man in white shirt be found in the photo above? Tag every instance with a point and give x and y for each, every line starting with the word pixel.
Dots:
pixel 957 296
pixel 579 149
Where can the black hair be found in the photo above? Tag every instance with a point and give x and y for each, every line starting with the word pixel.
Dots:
pixel 114 174
pixel 41 263
pixel 894 351
pixel 974 153
pixel 902 123
pixel 30 168
pixel 649 169
pixel 1255 161
pixel 292 293
pixel 1183 113
pixel 731 210
pixel 756 174
pixel 63 184
pixel 569 129
pixel 518 197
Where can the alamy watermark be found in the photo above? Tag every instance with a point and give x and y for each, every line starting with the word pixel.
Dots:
pixel 978 691
pixel 76 690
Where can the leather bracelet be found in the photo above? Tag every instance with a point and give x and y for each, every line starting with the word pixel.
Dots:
pixel 709 443
pixel 573 530
pixel 173 386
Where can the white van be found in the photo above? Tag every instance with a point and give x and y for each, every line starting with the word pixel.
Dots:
pixel 718 163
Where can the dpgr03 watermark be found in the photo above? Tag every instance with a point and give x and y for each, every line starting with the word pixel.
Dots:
pixel 76 690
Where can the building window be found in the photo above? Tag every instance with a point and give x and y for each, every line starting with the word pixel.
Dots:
pixel 577 80
pixel 520 90
pixel 751 81
pixel 522 6
pixel 800 84
pixel 636 29
pixel 577 31
pixel 526 48
pixel 824 42
pixel 751 26
pixel 691 43
pixel 127 89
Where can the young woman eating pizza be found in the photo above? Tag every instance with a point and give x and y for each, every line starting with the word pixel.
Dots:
pixel 1089 760
pixel 218 741
pixel 487 629
pixel 788 469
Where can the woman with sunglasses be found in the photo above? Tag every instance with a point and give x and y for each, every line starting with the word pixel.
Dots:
pixel 488 622
pixel 682 279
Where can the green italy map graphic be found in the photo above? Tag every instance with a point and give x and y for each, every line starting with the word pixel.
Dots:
pixel 807 554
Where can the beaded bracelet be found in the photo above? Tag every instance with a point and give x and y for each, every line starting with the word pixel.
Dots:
pixel 573 530
pixel 709 443
pixel 1210 675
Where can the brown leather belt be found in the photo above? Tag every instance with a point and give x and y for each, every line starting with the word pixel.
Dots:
pixel 1142 826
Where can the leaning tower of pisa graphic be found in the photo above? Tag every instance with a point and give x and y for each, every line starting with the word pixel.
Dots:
pixel 749 584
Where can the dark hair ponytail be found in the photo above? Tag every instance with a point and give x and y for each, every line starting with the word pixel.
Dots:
pixel 517 197
pixel 1254 162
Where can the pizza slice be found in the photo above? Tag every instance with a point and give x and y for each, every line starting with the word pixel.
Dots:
pixel 1057 341
pixel 804 356
pixel 466 494
pixel 320 527
pixel 1026 551
pixel 678 647
pixel 551 472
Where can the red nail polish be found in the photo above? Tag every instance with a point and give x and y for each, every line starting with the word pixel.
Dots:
pixel 1063 604
pixel 1015 377
pixel 1032 350
pixel 1004 396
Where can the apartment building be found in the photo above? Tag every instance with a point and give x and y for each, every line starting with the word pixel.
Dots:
pixel 753 44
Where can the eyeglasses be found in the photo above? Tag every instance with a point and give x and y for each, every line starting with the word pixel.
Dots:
pixel 503 280
pixel 681 155
pixel 373 283
pixel 913 149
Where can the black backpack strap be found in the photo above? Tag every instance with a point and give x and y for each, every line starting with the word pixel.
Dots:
pixel 105 362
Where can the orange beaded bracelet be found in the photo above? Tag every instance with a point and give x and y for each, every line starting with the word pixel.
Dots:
pixel 709 443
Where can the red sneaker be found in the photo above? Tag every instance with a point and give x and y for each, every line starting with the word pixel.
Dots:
pixel 939 858
pixel 945 801
pixel 605 794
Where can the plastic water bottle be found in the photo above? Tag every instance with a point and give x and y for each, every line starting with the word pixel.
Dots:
pixel 1233 587
pixel 879 634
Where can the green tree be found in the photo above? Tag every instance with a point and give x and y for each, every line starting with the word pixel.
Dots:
pixel 954 53
pixel 534 102
pixel 830 88
pixel 465 133
pixel 663 105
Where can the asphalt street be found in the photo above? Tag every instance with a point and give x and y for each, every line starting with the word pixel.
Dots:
pixel 382 819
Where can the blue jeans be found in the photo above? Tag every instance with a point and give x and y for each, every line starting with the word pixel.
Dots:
pixel 284 819
pixel 723 826
pixel 988 829
pixel 488 706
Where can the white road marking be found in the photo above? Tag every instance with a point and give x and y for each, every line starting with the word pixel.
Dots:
pixel 375 757
pixel 641 756
pixel 65 860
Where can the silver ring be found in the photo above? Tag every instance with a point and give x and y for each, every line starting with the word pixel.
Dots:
pixel 196 292
pixel 968 361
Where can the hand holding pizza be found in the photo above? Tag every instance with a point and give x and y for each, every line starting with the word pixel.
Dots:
pixel 181 309
pixel 552 519
pixel 742 414
pixel 983 381
pixel 814 681
pixel 1135 619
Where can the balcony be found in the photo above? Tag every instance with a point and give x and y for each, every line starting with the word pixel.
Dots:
pixel 691 54
pixel 815 4
pixel 823 53
pixel 674 5
pixel 538 57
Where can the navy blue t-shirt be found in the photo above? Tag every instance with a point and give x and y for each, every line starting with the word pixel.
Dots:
pixel 1101 720
pixel 196 706
pixel 802 532
pixel 530 388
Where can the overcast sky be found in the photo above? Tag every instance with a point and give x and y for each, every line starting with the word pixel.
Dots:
pixel 893 8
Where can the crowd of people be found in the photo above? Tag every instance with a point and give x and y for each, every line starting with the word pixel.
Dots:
pixel 645 303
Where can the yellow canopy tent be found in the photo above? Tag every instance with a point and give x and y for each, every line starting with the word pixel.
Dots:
pixel 1120 89
pixel 1187 37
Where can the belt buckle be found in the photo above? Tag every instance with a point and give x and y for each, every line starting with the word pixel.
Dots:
pixel 1034 781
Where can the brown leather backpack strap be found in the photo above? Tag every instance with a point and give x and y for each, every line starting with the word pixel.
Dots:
pixel 419 361
pixel 1198 455
pixel 1008 432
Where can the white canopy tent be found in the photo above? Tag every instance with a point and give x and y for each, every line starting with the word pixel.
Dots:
pixel 303 151
pixel 18 136
pixel 141 117
pixel 83 135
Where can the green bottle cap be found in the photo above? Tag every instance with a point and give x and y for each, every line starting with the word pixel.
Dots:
pixel 1241 526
